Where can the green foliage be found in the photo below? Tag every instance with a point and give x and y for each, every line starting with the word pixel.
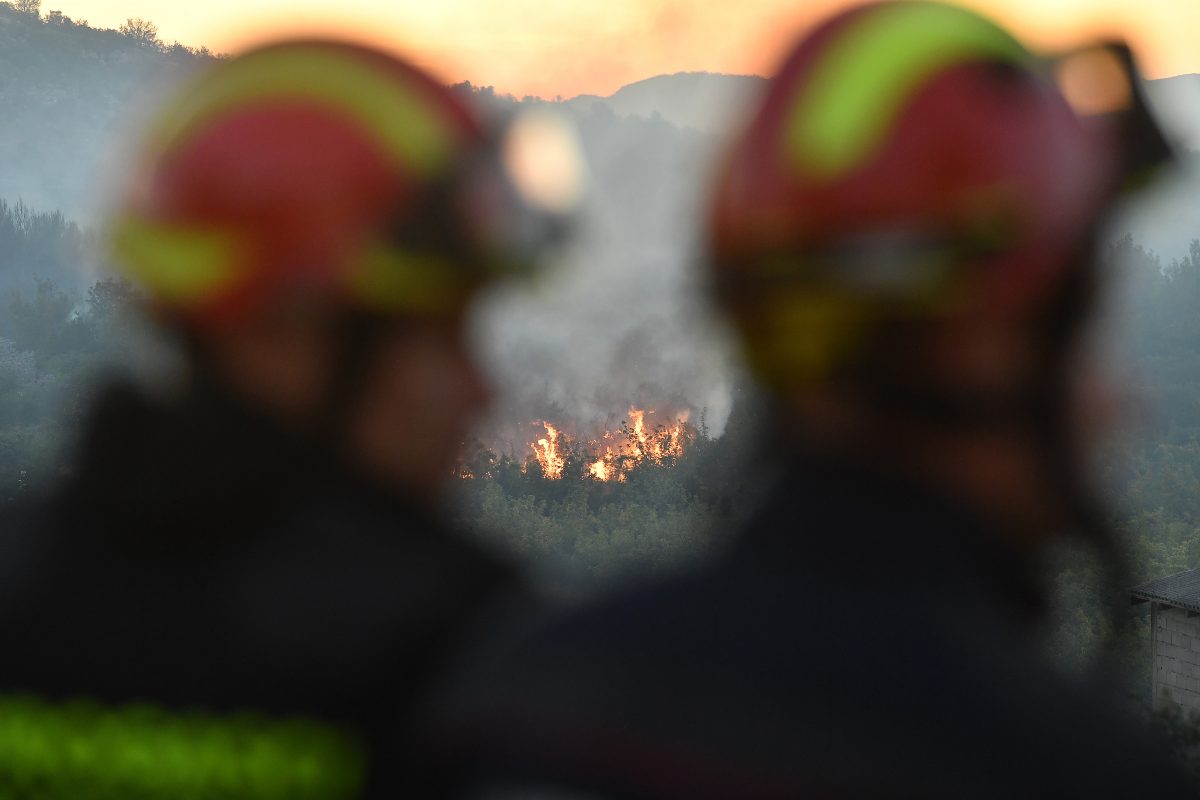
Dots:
pixel 1153 476
pixel 665 513
pixel 52 340
pixel 41 247
pixel 142 31
pixel 66 89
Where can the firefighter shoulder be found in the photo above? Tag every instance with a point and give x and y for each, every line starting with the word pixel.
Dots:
pixel 241 589
pixel 902 239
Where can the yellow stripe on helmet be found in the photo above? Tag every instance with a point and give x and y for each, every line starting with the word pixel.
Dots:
pixel 870 71
pixel 176 264
pixel 391 280
pixel 411 129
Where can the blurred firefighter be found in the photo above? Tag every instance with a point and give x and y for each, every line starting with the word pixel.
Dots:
pixel 903 238
pixel 241 590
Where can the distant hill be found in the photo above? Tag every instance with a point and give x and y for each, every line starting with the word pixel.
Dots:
pixel 707 100
pixel 1165 220
pixel 702 100
pixel 68 90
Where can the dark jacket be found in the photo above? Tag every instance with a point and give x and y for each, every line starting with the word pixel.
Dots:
pixel 203 568
pixel 865 638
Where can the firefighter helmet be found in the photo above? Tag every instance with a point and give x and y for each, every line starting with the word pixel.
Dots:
pixel 324 171
pixel 909 159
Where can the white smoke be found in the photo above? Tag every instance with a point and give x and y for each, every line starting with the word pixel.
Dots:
pixel 621 320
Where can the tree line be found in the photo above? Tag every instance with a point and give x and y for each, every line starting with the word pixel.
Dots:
pixel 137 29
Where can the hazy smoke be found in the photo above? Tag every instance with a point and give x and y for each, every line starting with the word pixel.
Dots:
pixel 622 320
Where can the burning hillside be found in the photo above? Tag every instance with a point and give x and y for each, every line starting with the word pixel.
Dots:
pixel 643 437
pixel 557 450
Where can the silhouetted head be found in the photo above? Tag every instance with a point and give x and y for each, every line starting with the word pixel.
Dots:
pixel 903 237
pixel 315 217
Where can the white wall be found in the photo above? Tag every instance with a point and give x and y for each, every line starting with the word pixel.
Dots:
pixel 1176 644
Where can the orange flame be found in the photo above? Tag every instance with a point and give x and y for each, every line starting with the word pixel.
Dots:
pixel 600 470
pixel 638 443
pixel 611 456
pixel 547 454
pixel 616 453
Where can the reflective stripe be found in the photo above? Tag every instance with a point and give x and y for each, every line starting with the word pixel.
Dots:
pixel 176 264
pixel 800 336
pixel 140 752
pixel 409 127
pixel 870 71
pixel 803 330
pixel 180 265
pixel 388 279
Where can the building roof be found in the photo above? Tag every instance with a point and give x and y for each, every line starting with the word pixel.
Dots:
pixel 1181 590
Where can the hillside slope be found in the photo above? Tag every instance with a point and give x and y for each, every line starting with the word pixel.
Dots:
pixel 65 88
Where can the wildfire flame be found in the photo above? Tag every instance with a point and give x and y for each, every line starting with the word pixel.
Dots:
pixel 545 451
pixel 645 437
pixel 600 470
pixel 615 453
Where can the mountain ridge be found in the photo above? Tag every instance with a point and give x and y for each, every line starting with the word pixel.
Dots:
pixel 67 90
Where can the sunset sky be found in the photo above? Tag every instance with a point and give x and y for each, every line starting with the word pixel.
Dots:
pixel 569 47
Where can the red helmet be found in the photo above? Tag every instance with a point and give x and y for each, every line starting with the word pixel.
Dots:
pixel 910 159
pixel 317 170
